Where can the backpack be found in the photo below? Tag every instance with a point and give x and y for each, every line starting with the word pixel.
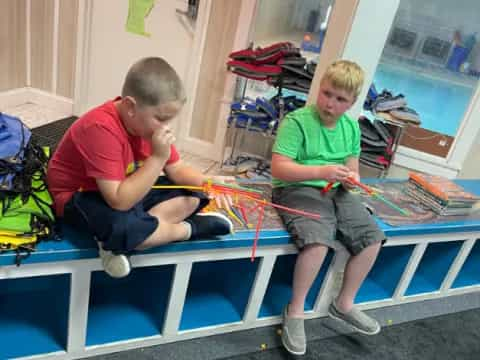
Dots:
pixel 26 216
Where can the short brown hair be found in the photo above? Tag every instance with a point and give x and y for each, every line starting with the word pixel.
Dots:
pixel 345 75
pixel 152 81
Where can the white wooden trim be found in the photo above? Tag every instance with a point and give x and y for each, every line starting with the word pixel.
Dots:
pixel 410 270
pixel 184 335
pixel 430 238
pixel 241 40
pixel 47 269
pixel 57 355
pixel 176 301
pixel 367 39
pixel 464 290
pixel 420 161
pixel 457 264
pixel 192 76
pixel 208 255
pixel 154 259
pixel 242 36
pixel 28 41
pixel 416 298
pixel 12 98
pixel 259 287
pixel 82 62
pixel 211 328
pixel 56 20
pixel 467 131
pixel 62 105
pixel 78 310
pixel 332 282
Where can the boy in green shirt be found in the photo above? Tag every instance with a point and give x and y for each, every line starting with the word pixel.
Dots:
pixel 317 145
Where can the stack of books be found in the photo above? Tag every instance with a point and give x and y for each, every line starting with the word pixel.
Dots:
pixel 440 194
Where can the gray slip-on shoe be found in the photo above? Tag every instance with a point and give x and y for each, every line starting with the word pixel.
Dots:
pixel 356 319
pixel 293 334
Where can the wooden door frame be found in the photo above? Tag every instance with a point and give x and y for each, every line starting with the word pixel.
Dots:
pixel 201 147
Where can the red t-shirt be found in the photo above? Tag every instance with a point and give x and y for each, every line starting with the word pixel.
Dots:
pixel 96 146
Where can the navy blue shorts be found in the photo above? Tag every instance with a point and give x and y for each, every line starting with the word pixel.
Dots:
pixel 121 231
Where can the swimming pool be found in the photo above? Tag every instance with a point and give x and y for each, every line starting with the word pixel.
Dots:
pixel 441 103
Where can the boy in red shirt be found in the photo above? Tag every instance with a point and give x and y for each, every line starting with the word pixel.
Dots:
pixel 102 173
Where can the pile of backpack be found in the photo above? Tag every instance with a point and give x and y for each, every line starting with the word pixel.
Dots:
pixel 280 64
pixel 26 215
pixel 377 143
pixel 261 116
pixel 391 107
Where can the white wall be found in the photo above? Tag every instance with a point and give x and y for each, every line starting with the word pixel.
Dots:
pixel 372 21
pixel 112 50
pixel 471 166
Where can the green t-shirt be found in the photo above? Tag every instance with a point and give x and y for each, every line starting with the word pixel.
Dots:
pixel 303 138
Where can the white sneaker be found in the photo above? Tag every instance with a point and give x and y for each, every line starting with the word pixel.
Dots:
pixel 117 266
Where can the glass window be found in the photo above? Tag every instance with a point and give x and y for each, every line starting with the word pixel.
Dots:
pixel 429 70
pixel 297 21
pixel 301 22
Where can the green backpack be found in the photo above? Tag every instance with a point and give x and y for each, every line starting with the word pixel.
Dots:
pixel 26 215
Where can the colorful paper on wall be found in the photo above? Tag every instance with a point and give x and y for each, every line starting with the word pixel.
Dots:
pixel 138 10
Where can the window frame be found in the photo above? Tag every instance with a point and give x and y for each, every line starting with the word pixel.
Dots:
pixel 373 20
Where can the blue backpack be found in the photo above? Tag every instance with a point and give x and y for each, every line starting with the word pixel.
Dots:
pixel 14 137
pixel 26 215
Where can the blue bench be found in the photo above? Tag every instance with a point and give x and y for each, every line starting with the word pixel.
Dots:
pixel 60 303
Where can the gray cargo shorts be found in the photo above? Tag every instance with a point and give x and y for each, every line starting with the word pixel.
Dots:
pixel 343 218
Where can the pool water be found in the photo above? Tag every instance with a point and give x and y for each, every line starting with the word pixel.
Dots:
pixel 440 103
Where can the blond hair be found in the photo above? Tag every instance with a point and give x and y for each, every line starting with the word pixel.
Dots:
pixel 152 81
pixel 345 75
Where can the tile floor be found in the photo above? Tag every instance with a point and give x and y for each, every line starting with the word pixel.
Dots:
pixel 207 166
pixel 34 115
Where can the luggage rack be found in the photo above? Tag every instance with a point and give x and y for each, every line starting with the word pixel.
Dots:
pixel 282 67
pixel 237 157
pixel 261 116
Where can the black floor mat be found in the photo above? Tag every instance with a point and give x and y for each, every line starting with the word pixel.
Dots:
pixel 51 134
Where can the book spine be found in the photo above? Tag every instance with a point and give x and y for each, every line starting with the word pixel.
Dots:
pixel 428 186
pixel 413 187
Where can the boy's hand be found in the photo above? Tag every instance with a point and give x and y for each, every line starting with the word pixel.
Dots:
pixel 335 173
pixel 223 201
pixel 162 138
pixel 347 184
